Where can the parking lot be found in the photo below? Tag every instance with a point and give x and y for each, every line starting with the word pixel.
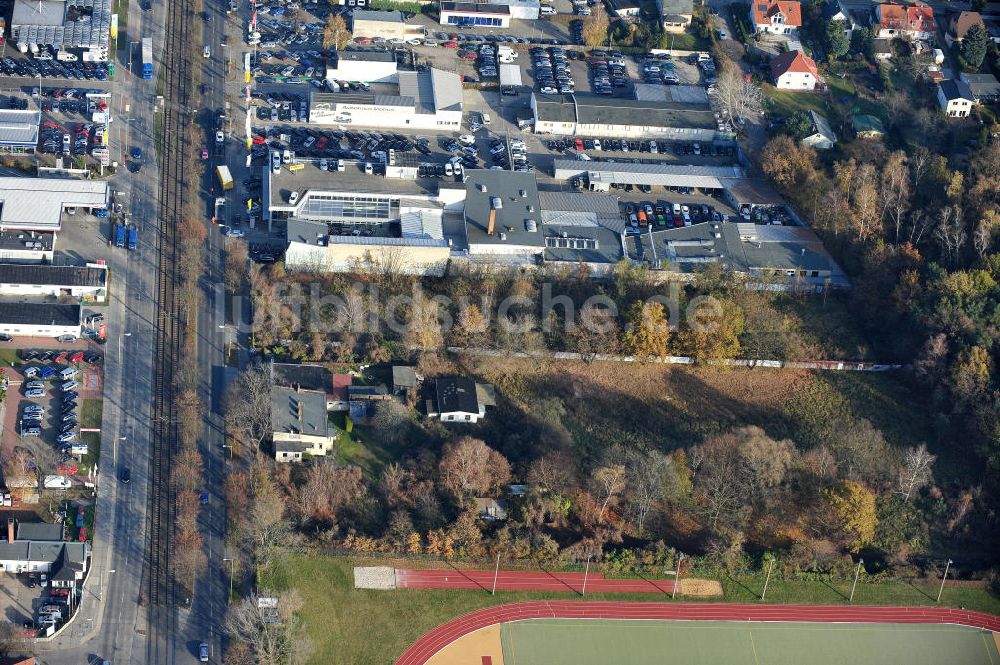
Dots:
pixel 17 64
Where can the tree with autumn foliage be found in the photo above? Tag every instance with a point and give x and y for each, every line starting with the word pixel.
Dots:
pixel 470 468
pixel 648 333
pixel 854 504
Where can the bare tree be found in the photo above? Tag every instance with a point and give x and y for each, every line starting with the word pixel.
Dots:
pixel 739 98
pixel 609 481
pixel 646 476
pixel 391 421
pixel 13 644
pixel 248 404
pixel 281 642
pixel 237 262
pixel 915 471
pixel 268 532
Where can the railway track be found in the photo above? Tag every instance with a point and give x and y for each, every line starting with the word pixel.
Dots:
pixel 175 68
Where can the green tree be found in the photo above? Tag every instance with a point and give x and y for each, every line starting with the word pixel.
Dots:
pixel 799 125
pixel 861 40
pixel 975 44
pixel 835 40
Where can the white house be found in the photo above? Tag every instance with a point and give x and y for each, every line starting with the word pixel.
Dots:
pixel 794 70
pixel 461 400
pixel 956 98
pixel 778 17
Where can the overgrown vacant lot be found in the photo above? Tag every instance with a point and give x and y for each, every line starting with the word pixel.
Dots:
pixel 667 407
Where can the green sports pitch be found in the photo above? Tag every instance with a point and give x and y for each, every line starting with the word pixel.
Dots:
pixel 657 642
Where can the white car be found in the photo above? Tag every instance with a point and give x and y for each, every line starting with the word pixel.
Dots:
pixel 467 139
pixel 234 233
pixel 220 137
pixel 207 52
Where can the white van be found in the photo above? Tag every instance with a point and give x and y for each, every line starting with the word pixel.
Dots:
pixel 275 162
pixel 286 156
pixel 486 118
pixel 547 10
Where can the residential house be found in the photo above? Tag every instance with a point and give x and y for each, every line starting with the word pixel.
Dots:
pixel 913 23
pixel 955 98
pixel 822 136
pixel 867 126
pixel 794 70
pixel 675 15
pixel 623 8
pixel 959 25
pixel 985 87
pixel 491 509
pixel 299 424
pixel 313 377
pixel 778 17
pixel 882 49
pixel 39 548
pixel 835 10
pixel 461 400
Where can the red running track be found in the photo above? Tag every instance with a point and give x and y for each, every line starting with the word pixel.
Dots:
pixel 445 634
pixel 525 581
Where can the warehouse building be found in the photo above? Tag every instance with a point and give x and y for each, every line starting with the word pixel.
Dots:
pixel 570 115
pixel 385 24
pixel 430 99
pixel 27 247
pixel 476 14
pixel 88 282
pixel 38 204
pixel 19 130
pixel 32 319
pixel 602 175
pixel 785 256
pixel 61 25
pixel 363 67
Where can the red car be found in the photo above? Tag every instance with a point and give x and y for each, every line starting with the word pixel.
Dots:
pixel 467 55
pixel 259 140
pixel 83 534
pixel 450 45
pixel 362 40
pixel 61 357
pixel 67 468
pixel 61 591
pixel 76 357
pixel 579 144
pixel 323 141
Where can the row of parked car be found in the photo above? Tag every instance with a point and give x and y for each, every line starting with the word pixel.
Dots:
pixel 89 357
pixel 664 213
pixel 552 73
pixel 53 69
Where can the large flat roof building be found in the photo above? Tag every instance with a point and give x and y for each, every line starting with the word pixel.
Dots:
pixel 19 130
pixel 602 174
pixel 684 118
pixel 429 99
pixel 33 319
pixel 88 282
pixel 37 204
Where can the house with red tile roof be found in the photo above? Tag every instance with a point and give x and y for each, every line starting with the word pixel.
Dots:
pixel 794 70
pixel 779 17
pixel 898 22
pixel 959 25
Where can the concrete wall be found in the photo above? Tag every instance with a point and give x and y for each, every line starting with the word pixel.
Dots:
pixel 22 330
pixel 408 259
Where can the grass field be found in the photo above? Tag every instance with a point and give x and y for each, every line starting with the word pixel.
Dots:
pixel 91 413
pixel 590 642
pixel 352 627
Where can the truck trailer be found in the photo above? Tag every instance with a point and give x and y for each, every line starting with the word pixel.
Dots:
pixel 133 237
pixel 225 177
pixel 119 234
pixel 147 57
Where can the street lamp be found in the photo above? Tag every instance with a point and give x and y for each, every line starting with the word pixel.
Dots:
pixel 104 577
pixel 943 578
pixel 128 334
pixel 232 573
pixel 586 572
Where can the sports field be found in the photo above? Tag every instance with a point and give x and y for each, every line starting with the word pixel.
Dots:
pixel 642 642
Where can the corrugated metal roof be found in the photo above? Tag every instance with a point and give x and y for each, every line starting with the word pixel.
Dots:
pixel 447 90
pixel 19 127
pixel 417 224
pixel 569 218
pixel 37 203
pixel 389 242
pixel 72 24
pixel 49 275
pixel 418 86
pixel 600 204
